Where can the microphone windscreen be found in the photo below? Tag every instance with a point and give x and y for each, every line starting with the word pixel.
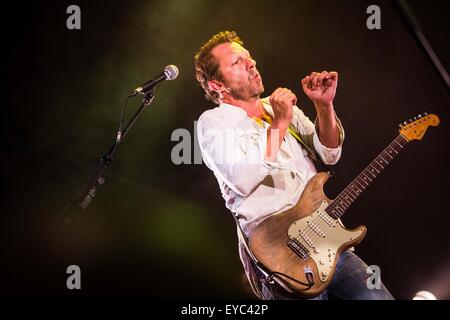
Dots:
pixel 171 72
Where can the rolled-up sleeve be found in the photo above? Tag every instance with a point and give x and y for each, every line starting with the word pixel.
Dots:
pixel 236 157
pixel 309 132
pixel 329 155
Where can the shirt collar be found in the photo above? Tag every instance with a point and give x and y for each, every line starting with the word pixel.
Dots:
pixel 237 110
pixel 232 109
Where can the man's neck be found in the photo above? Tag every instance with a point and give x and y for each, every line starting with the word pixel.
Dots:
pixel 253 107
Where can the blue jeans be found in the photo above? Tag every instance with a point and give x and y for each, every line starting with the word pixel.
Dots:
pixel 348 283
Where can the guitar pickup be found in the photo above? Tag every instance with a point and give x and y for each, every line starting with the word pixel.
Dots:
pixel 298 248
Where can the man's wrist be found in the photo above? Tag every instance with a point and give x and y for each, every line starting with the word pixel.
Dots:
pixel 324 109
pixel 280 124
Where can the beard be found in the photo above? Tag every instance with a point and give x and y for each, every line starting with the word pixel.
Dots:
pixel 245 92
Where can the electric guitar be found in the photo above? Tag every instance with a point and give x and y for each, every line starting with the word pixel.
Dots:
pixel 301 246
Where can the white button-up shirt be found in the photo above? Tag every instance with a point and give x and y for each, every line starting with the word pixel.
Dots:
pixel 233 146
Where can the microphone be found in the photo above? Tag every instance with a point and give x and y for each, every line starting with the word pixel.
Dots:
pixel 170 73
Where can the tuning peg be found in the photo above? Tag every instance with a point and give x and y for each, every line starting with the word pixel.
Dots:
pixel 400 125
pixel 425 113
pixel 405 123
pixel 410 120
pixel 419 116
pixel 415 118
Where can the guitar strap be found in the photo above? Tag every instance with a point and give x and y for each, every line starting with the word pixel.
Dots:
pixel 312 154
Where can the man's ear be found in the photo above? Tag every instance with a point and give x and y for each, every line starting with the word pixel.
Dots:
pixel 215 85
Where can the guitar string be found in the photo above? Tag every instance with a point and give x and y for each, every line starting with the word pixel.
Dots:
pixel 359 181
pixel 321 223
pixel 344 205
pixel 386 152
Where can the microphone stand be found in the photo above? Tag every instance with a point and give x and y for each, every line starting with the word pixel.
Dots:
pixel 87 193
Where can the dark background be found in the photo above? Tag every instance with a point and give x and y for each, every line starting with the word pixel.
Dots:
pixel 160 230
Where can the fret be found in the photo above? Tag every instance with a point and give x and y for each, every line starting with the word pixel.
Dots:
pixel 352 196
pixel 360 184
pixel 402 139
pixel 337 210
pixel 340 210
pixel 332 213
pixel 394 150
pixel 349 199
pixel 371 172
pixel 340 206
pixel 357 189
pixel 389 155
pixel 345 196
pixel 365 177
pixel 375 169
pixel 330 210
pixel 401 147
pixel 343 201
pixel 381 156
pixel 378 162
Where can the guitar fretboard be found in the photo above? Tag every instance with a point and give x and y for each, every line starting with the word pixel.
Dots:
pixel 338 207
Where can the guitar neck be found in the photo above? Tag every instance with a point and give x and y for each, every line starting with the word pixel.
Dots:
pixel 338 207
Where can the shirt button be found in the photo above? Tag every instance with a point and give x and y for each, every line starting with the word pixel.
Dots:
pixel 292 174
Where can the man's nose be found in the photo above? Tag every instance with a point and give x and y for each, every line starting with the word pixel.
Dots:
pixel 251 63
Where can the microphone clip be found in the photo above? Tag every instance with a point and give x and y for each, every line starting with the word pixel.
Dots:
pixel 148 96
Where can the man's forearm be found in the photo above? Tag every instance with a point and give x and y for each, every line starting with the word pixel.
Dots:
pixel 328 127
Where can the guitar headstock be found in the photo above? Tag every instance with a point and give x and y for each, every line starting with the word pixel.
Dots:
pixel 415 129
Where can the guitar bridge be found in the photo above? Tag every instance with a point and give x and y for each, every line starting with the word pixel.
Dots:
pixel 298 248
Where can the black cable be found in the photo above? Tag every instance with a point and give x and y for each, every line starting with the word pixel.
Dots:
pixel 308 285
pixel 119 131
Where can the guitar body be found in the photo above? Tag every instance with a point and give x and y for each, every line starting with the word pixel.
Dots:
pixel 304 242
